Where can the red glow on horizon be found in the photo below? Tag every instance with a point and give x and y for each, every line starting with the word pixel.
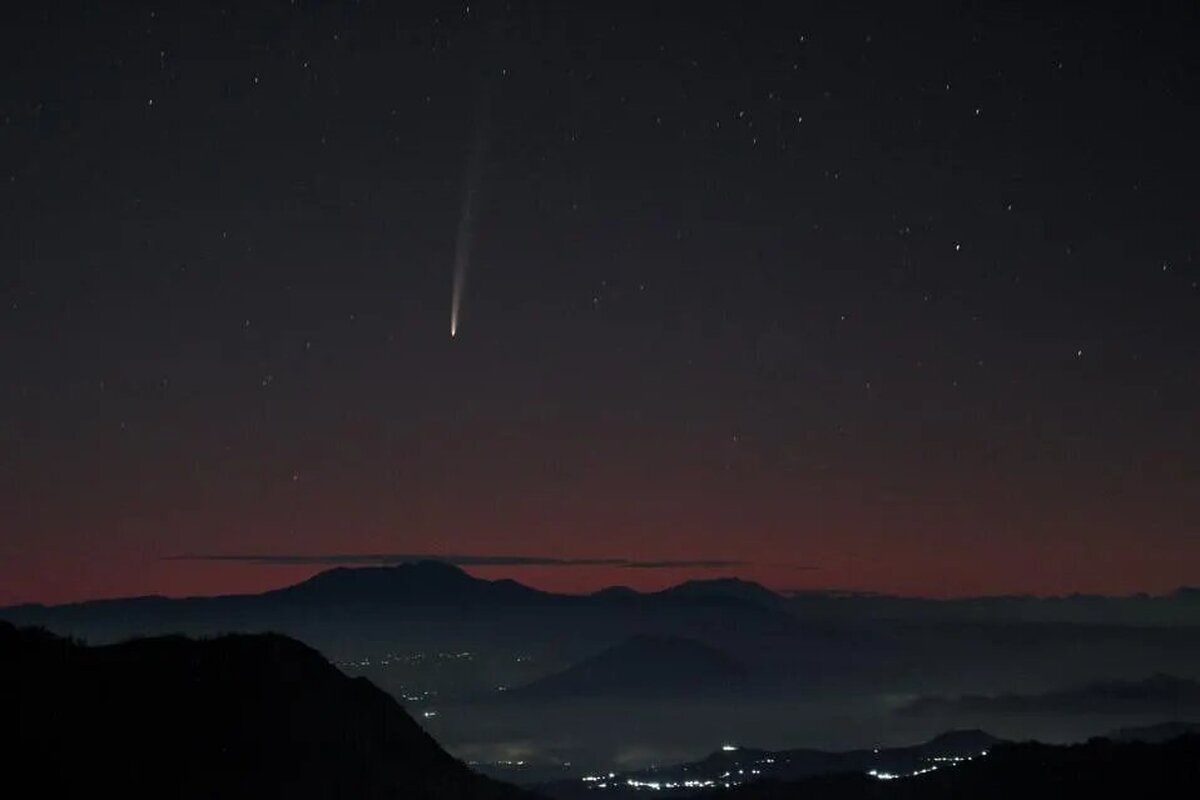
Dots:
pixel 919 535
pixel 916 577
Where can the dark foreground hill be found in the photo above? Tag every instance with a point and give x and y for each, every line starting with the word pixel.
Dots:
pixel 238 716
pixel 1099 769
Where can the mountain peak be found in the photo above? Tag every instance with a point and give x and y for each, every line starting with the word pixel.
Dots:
pixel 723 589
pixel 416 581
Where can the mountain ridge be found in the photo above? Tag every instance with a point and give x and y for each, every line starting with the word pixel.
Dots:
pixel 721 588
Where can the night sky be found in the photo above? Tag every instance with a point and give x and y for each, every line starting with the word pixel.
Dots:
pixel 893 297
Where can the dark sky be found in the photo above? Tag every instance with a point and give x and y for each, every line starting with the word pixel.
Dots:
pixel 895 296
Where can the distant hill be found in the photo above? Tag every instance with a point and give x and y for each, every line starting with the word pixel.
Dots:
pixel 1164 694
pixel 723 589
pixel 645 665
pixel 1098 769
pixel 238 716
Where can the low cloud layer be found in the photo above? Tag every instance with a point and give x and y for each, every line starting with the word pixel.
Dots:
pixel 363 559
pixel 1158 694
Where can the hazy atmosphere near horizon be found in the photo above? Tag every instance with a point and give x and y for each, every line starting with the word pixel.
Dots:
pixel 889 297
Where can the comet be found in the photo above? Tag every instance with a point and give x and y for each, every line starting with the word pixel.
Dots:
pixel 465 235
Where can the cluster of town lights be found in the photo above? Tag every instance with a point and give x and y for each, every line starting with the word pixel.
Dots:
pixel 730 777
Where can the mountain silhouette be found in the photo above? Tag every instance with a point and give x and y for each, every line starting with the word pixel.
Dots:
pixel 237 716
pixel 723 589
pixel 325 607
pixel 645 665
pixel 418 582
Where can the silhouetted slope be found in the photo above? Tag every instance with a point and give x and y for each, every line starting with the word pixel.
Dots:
pixel 239 716
pixel 1098 769
pixel 645 665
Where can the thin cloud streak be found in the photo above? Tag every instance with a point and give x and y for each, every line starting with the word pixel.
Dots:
pixel 385 559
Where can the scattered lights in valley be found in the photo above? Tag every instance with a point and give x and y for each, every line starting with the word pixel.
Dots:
pixel 891 776
pixel 738 774
pixel 395 659
pixel 935 763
